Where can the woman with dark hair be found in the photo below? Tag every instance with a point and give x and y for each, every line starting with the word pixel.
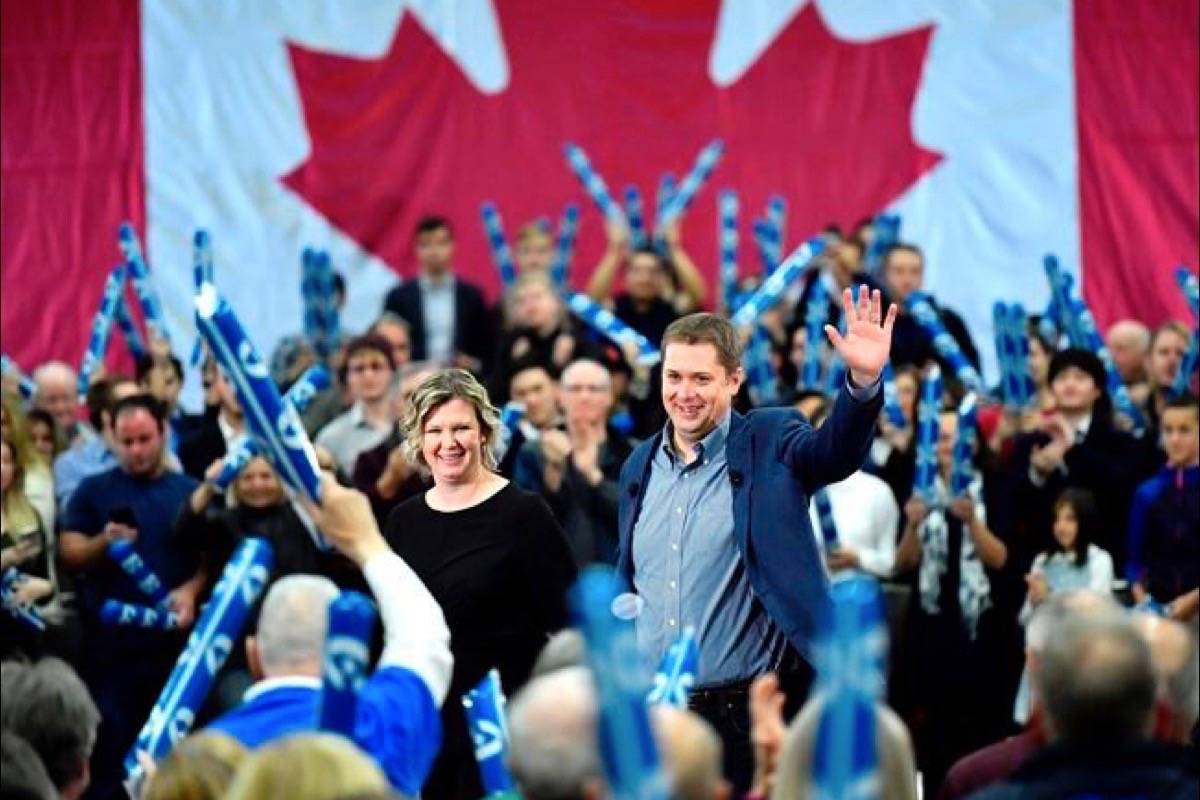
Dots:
pixel 490 553
pixel 1073 560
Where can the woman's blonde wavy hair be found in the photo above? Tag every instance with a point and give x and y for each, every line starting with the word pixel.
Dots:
pixel 433 393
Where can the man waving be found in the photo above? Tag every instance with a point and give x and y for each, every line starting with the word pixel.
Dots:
pixel 714 525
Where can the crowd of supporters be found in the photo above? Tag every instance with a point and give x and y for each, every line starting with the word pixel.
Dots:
pixel 1012 664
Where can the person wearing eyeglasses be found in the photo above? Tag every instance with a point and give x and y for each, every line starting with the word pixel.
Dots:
pixel 369 372
pixel 576 469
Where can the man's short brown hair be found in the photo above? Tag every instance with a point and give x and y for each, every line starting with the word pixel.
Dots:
pixel 707 329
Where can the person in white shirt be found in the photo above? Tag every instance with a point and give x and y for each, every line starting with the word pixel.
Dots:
pixel 864 521
pixel 369 373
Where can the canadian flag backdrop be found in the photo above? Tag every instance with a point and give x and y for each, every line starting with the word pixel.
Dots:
pixel 998 130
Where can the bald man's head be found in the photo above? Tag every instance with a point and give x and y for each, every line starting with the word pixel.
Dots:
pixel 56 390
pixel 1128 342
pixel 691 751
pixel 1173 652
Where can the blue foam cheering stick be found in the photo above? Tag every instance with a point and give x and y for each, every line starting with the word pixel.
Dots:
pixel 234 462
pixel 691 184
pixel 676 673
pixel 845 761
pixel 727 238
pixel 212 639
pixel 768 293
pixel 498 244
pixel 122 554
pixel 835 375
pixel 1084 334
pixel 1005 353
pixel 891 398
pixel 346 660
pixel 829 531
pixel 129 331
pixel 25 384
pixel 202 258
pixel 627 747
pixel 760 373
pixel 1012 348
pixel 131 615
pixel 143 284
pixel 816 315
pixel 314 380
pixel 308 293
pixel 23 613
pixel 1060 288
pixel 962 470
pixel 662 198
pixel 1018 321
pixel 1189 284
pixel 886 230
pixel 925 475
pixel 274 425
pixel 331 326
pixel 311 382
pixel 635 213
pixel 568 226
pixel 603 321
pixel 593 184
pixel 510 417
pixel 777 216
pixel 202 273
pixel 97 344
pixel 766 237
pixel 1183 378
pixel 484 707
pixel 919 305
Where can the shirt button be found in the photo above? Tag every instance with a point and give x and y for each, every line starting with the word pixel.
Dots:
pixel 674 546
pixel 671 622
pixel 679 510
pixel 671 584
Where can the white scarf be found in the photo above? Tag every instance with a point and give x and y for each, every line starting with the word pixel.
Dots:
pixel 974 590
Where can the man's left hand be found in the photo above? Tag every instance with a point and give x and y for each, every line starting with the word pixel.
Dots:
pixel 868 338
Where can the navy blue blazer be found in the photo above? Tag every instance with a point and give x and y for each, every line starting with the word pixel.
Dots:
pixel 776 460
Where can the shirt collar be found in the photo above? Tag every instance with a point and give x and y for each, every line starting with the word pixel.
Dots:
pixel 283 682
pixel 228 433
pixel 713 442
pixel 430 283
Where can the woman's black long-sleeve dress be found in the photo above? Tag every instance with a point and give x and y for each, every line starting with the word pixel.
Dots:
pixel 500 571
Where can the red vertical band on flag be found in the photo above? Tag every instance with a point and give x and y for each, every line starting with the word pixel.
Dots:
pixel 1139 168
pixel 70 166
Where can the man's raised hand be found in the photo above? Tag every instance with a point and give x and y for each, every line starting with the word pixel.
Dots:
pixel 868 338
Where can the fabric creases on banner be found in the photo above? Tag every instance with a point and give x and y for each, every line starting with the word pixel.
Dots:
pixel 71 126
pixel 343 136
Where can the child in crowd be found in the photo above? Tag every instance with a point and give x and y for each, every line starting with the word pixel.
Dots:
pixel 1073 560
pixel 1164 521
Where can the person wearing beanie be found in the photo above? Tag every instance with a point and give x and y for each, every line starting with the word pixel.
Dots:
pixel 1077 445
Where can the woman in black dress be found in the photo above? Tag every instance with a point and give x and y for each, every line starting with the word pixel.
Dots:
pixel 490 553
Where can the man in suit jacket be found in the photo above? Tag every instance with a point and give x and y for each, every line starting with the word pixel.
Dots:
pixel 713 520
pixel 903 274
pixel 1078 446
pixel 450 321
pixel 211 435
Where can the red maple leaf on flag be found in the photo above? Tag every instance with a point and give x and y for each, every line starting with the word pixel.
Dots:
pixel 823 121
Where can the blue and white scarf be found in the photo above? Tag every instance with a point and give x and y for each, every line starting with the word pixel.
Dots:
pixel 974 590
